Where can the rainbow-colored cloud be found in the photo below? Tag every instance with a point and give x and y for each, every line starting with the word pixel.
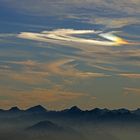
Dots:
pixel 68 35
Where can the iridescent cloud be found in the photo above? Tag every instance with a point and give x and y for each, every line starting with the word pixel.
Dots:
pixel 68 35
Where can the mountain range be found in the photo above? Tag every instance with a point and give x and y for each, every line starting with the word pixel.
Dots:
pixel 74 111
pixel 39 123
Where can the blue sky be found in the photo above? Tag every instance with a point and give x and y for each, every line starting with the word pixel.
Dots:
pixel 64 53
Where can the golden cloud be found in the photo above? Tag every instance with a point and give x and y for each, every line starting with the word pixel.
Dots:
pixel 55 97
pixel 63 68
pixel 32 72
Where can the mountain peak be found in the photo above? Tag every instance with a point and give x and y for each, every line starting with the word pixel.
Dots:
pixel 37 108
pixel 14 109
pixel 96 110
pixel 75 109
pixel 45 125
pixel 99 111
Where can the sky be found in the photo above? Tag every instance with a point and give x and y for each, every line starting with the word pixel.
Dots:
pixel 60 53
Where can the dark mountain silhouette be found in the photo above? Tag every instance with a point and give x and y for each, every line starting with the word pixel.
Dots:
pixel 1 110
pixel 45 126
pixel 73 109
pixel 76 110
pixel 98 111
pixel 137 111
pixel 14 109
pixel 75 113
pixel 53 131
pixel 36 109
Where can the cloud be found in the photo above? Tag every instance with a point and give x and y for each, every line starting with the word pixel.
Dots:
pixel 33 73
pixel 105 68
pixel 94 51
pixel 63 68
pixel 65 7
pixel 67 35
pixel 113 22
pixel 25 77
pixel 55 97
pixel 5 35
pixel 130 75
pixel 129 90
pixel 27 72
pixel 29 63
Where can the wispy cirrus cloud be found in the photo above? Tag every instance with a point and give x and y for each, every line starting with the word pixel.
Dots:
pixel 68 35
pixel 32 72
pixel 64 7
pixel 55 97
pixel 130 75
pixel 129 90
pixel 28 77
pixel 118 22
pixel 63 68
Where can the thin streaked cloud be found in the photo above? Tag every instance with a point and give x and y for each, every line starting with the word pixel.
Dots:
pixel 49 97
pixel 130 75
pixel 64 7
pixel 66 35
pixel 129 90
pixel 32 72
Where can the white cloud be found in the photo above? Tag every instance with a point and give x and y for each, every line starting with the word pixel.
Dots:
pixel 67 35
